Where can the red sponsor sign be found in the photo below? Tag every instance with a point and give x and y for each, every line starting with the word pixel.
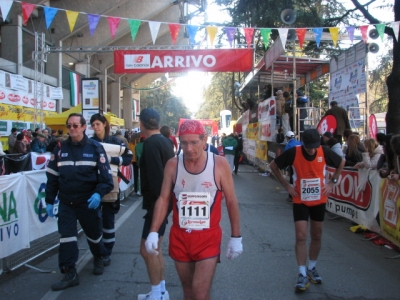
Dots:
pixel 346 189
pixel 14 97
pixel 373 126
pixel 162 61
pixel 25 99
pixel 52 105
pixel 2 95
pixel 327 124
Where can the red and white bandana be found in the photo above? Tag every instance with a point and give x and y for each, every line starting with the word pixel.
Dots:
pixel 191 127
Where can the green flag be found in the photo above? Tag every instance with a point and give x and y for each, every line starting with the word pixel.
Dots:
pixel 134 26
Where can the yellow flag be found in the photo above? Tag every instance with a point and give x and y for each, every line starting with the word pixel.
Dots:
pixel 334 34
pixel 72 16
pixel 212 32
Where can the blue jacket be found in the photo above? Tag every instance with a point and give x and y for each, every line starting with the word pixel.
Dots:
pixel 76 171
pixel 38 146
pixel 125 159
pixel 292 143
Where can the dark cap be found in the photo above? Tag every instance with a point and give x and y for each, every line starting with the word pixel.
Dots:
pixel 311 139
pixel 299 93
pixel 148 114
pixel 328 134
pixel 334 103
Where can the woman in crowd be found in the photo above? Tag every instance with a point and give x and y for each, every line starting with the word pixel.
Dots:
pixel 353 155
pixel 101 130
pixel 371 156
pixel 20 145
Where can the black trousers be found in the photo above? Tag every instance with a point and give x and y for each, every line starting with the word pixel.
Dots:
pixel 135 176
pixel 91 223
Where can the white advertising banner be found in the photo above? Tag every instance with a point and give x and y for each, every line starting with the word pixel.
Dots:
pixel 90 93
pixel 267 109
pixel 267 130
pixel 348 82
pixel 14 217
pixel 40 224
pixel 17 90
pixel 40 160
pixel 251 148
pixel 356 197
pixel 127 171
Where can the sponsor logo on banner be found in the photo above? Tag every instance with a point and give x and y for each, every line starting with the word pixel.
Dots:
pixel 2 95
pixel 346 191
pixel 327 124
pixel 9 217
pixel 40 161
pixel 154 61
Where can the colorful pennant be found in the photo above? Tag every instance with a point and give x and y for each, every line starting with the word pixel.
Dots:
pixel 192 31
pixel 395 27
pixel 113 23
pixel 334 31
pixel 283 35
pixel 154 28
pixel 49 14
pixel 72 16
pixel 93 20
pixel 134 27
pixel 301 34
pixel 265 33
pixel 212 32
pixel 364 33
pixel 230 34
pixel 174 31
pixel 350 32
pixel 5 7
pixel 27 9
pixel 381 30
pixel 318 35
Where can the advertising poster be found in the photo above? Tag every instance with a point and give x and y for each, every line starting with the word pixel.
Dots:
pixel 389 207
pixel 356 197
pixel 252 131
pixel 261 150
pixel 90 93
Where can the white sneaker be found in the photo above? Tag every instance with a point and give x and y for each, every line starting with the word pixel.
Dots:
pixel 139 194
pixel 164 296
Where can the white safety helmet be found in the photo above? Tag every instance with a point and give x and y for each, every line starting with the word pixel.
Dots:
pixel 290 134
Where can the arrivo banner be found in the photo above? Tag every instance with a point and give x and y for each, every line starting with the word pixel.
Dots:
pixel 157 61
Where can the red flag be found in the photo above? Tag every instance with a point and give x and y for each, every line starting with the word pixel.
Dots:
pixel 301 33
pixel 174 31
pixel 113 23
pixel 27 9
pixel 248 34
pixel 364 32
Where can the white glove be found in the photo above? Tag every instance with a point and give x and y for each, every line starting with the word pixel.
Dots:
pixel 152 243
pixel 235 247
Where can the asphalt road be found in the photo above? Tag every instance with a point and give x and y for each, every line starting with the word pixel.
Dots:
pixel 351 267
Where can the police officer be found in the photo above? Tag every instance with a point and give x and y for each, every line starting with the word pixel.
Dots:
pixel 80 173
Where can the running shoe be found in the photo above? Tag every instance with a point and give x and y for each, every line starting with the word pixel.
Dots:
pixel 302 284
pixel 313 276
pixel 164 296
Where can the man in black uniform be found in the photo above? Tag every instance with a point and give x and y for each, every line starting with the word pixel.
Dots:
pixel 80 173
pixel 157 151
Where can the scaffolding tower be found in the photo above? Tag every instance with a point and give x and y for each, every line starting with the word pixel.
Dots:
pixel 39 56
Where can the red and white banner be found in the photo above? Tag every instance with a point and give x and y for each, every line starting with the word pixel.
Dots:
pixel 373 126
pixel 159 61
pixel 356 197
pixel 327 124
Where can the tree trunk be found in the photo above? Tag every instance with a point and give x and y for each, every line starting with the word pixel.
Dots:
pixel 393 84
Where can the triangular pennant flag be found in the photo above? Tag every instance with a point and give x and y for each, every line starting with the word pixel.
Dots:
pixel 265 32
pixel 381 30
pixel 27 9
pixel 395 27
pixel 134 27
pixel 212 32
pixel 318 35
pixel 113 23
pixel 283 35
pixel 192 31
pixel 248 35
pixel 364 32
pixel 72 16
pixel 49 14
pixel 93 20
pixel 350 31
pixel 154 28
pixel 5 6
pixel 230 33
pixel 334 31
pixel 301 34
pixel 174 31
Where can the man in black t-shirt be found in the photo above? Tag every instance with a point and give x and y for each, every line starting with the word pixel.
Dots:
pixel 157 151
pixel 309 192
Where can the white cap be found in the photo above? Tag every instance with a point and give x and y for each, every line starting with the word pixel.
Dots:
pixel 136 130
pixel 290 134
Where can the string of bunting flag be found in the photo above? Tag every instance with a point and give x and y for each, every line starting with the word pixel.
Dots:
pixel 248 32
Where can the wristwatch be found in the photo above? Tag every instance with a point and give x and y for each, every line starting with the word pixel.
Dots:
pixel 334 180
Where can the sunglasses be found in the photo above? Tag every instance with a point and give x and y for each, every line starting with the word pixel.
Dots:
pixel 73 125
